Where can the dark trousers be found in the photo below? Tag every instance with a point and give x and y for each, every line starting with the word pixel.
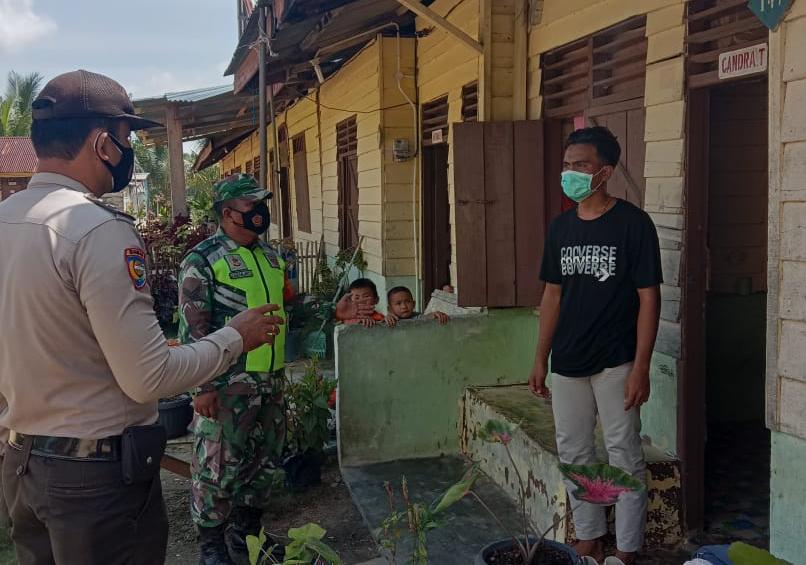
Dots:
pixel 80 512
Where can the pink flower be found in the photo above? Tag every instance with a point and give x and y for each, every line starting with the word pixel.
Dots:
pixel 503 437
pixel 597 490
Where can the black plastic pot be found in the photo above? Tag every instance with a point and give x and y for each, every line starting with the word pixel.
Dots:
pixel 303 470
pixel 175 415
pixel 488 551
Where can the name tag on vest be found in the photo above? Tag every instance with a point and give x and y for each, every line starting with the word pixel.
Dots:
pixel 237 268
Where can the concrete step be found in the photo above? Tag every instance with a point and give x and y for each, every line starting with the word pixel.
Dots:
pixel 464 529
pixel 534 451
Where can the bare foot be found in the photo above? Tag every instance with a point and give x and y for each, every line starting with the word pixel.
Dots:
pixel 628 558
pixel 592 548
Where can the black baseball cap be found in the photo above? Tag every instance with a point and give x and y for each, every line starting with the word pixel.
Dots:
pixel 82 94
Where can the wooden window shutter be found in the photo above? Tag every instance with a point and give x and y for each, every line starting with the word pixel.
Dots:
pixel 249 167
pixel 602 72
pixel 501 212
pixel 566 79
pixel 435 119
pixel 347 137
pixel 714 27
pixel 618 70
pixel 301 184
pixel 256 167
pixel 470 102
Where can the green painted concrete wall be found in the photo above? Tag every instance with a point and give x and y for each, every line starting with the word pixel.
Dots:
pixel 787 496
pixel 659 415
pixel 400 389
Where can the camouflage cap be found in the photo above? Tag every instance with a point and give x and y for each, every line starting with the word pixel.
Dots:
pixel 238 186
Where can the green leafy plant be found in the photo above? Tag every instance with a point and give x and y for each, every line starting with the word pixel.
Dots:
pixel 308 410
pixel 595 484
pixel 418 518
pixel 166 244
pixel 305 547
pixel 741 553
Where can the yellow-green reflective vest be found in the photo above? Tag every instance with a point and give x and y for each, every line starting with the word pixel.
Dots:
pixel 263 284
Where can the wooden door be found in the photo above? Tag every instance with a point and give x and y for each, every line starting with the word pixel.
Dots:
pixel 348 201
pixel 501 212
pixel 347 158
pixel 285 203
pixel 436 219
pixel 627 181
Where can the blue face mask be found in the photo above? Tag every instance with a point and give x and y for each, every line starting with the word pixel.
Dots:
pixel 577 186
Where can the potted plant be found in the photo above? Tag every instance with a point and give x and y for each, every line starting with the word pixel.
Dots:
pixel 305 547
pixel 596 484
pixel 308 415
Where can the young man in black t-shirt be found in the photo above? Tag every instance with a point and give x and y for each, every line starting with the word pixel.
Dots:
pixel 599 320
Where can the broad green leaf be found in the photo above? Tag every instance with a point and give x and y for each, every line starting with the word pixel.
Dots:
pixel 741 553
pixel 307 532
pixel 253 545
pixel 458 491
pixel 325 551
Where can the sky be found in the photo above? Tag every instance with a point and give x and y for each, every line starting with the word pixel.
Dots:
pixel 150 46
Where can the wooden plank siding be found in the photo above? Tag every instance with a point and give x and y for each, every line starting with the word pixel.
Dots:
pixel 444 67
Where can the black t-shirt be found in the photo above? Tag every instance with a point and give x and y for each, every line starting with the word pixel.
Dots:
pixel 600 264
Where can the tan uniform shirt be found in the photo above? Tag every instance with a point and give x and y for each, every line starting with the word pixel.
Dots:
pixel 81 352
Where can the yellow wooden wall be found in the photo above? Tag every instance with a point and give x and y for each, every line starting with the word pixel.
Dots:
pixel 445 65
pixel 400 179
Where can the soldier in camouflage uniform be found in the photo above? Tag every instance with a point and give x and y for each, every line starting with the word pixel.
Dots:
pixel 239 421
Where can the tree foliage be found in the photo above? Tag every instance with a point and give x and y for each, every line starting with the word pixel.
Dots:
pixel 15 103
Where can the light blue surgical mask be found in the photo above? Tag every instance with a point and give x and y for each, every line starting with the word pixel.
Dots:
pixel 577 185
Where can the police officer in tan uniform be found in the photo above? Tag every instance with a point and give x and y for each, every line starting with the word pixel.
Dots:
pixel 83 360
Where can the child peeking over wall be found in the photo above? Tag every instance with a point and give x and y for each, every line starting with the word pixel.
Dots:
pixel 364 291
pixel 401 306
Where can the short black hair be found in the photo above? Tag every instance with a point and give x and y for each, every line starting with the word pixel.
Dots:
pixel 396 290
pixel 63 138
pixel 606 144
pixel 366 284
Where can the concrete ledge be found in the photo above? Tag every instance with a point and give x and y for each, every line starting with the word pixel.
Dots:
pixel 535 453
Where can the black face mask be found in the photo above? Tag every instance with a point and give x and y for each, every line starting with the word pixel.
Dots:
pixel 257 219
pixel 123 171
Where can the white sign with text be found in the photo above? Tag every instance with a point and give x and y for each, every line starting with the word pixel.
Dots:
pixel 745 61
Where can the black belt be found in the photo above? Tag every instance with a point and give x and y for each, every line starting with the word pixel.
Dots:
pixel 106 449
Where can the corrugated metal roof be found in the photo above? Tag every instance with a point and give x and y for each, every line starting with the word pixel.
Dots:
pixel 17 155
pixel 198 94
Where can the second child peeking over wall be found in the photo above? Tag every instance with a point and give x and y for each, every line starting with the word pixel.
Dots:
pixel 401 306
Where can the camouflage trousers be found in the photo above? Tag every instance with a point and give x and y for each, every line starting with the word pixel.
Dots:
pixel 234 456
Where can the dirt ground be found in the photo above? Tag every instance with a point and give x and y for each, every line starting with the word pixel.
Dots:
pixel 328 505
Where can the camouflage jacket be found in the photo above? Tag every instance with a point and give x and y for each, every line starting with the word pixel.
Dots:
pixel 206 306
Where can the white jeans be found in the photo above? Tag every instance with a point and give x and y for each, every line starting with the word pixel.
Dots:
pixel 576 402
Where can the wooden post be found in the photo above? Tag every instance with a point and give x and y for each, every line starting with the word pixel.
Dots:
pixel 520 61
pixel 176 161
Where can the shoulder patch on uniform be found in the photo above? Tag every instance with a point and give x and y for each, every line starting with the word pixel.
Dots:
pixel 237 268
pixel 136 265
pixel 106 206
